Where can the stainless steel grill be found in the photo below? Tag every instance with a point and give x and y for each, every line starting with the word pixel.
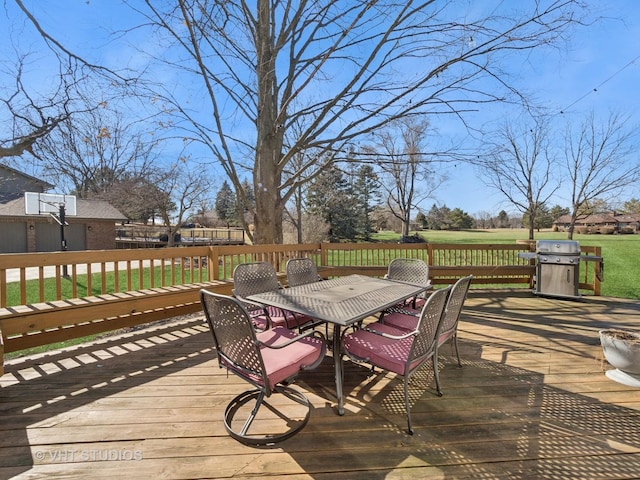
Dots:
pixel 558 267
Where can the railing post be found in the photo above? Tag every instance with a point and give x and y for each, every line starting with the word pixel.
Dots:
pixel 597 273
pixel 323 255
pixel 214 270
pixel 1 354
pixel 430 254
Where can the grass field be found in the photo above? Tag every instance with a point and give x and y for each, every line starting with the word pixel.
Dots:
pixel 621 253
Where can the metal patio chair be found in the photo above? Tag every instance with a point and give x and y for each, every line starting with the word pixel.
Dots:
pixel 407 320
pixel 259 277
pixel 410 270
pixel 301 271
pixel 398 351
pixel 268 360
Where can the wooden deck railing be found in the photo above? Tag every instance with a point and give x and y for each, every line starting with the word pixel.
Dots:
pixel 51 297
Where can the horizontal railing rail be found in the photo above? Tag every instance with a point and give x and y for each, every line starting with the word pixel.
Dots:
pixel 56 296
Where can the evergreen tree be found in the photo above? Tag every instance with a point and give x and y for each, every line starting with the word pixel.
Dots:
pixel 421 220
pixel 503 219
pixel 459 219
pixel 438 217
pixel 366 191
pixel 331 198
pixel 631 206
pixel 226 205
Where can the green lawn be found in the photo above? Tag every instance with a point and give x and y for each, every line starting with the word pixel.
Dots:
pixel 620 252
pixel 82 285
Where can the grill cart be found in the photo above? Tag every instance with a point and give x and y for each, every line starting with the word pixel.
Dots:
pixel 558 267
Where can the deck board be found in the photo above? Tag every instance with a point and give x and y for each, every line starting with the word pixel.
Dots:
pixel 530 402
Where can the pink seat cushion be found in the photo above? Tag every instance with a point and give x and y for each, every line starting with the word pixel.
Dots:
pixel 419 303
pixel 287 319
pixel 282 363
pixel 280 319
pixel 259 322
pixel 390 354
pixel 405 322
pixel 408 323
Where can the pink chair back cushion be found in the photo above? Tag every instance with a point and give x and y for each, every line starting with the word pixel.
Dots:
pixel 283 363
pixel 387 353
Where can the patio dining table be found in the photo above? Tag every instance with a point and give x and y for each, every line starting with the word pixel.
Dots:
pixel 341 301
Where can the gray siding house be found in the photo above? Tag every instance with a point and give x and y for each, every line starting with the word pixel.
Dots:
pixel 92 228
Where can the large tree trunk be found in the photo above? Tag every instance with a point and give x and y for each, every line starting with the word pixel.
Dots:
pixel 267 172
pixel 406 226
pixel 268 225
pixel 532 219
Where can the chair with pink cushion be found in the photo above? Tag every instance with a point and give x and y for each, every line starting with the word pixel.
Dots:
pixel 399 351
pixel 410 270
pixel 407 320
pixel 449 327
pixel 303 271
pixel 258 277
pixel 268 360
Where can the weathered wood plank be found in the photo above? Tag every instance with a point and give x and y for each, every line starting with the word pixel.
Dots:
pixel 531 401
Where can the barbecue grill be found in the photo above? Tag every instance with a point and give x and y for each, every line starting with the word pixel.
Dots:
pixel 558 267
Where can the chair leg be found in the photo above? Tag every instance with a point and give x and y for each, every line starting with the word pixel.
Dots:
pixel 454 343
pixel 406 404
pixel 436 374
pixel 240 401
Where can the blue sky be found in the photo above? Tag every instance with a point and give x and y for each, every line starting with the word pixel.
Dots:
pixel 599 72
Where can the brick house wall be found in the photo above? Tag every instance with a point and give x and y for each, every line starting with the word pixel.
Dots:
pixel 101 235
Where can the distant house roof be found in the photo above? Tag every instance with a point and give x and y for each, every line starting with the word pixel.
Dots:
pixel 563 219
pixel 14 183
pixel 600 219
pixel 85 210
pixel 629 218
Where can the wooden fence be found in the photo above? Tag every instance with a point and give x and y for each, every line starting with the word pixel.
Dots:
pixel 57 296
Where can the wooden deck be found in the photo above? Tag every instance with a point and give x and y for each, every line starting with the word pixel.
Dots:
pixel 531 402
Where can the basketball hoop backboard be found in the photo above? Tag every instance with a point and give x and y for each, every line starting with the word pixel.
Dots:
pixel 46 203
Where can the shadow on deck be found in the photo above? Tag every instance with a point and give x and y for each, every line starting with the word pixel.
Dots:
pixel 531 401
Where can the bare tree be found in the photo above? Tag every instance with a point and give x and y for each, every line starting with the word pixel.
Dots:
pixel 407 177
pixel 484 219
pixel 339 69
pixel 601 162
pixel 182 190
pixel 28 117
pixel 522 167
pixel 96 149
pixel 138 198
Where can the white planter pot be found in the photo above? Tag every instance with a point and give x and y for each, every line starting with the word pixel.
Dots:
pixel 622 350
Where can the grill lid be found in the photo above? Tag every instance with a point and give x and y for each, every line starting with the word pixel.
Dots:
pixel 558 247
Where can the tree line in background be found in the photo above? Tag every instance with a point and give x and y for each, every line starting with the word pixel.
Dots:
pixel 348 206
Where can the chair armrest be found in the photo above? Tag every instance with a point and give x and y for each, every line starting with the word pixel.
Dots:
pixel 310 333
pixel 402 311
pixel 387 335
pixel 248 302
